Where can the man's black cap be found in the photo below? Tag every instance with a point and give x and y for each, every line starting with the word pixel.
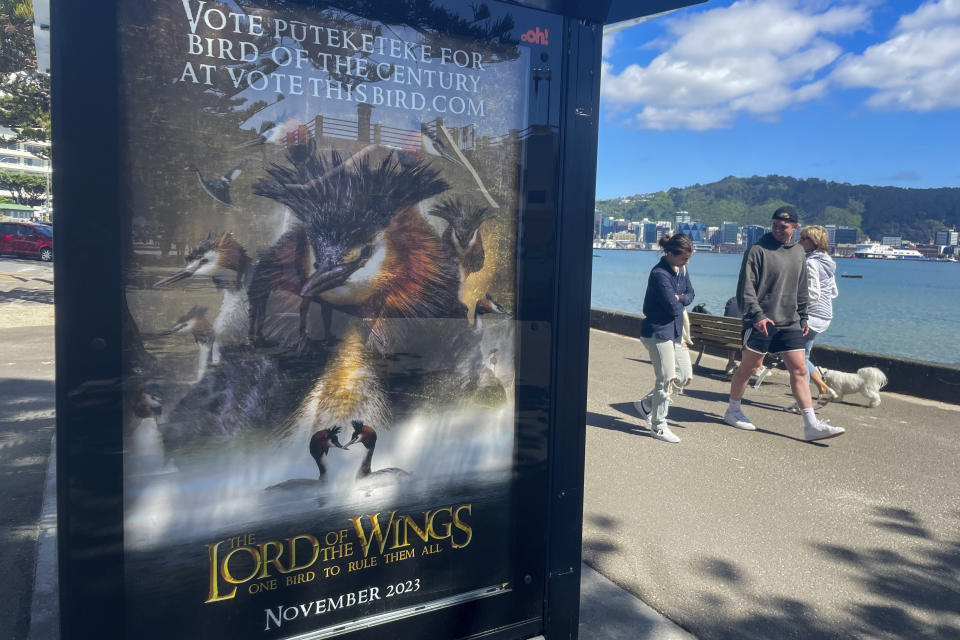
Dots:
pixel 786 213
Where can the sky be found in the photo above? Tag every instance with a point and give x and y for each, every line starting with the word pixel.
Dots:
pixel 860 92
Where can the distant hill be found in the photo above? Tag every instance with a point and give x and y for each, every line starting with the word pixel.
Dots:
pixel 916 214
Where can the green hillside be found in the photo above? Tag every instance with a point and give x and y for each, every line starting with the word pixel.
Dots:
pixel 916 214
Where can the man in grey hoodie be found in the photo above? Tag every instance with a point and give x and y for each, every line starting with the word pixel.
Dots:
pixel 772 295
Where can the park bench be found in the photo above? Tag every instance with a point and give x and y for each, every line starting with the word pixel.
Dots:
pixel 720 331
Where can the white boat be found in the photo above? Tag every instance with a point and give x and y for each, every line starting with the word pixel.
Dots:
pixel 886 252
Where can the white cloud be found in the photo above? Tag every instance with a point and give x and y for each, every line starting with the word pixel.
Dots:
pixel 757 57
pixel 918 69
pixel 609 42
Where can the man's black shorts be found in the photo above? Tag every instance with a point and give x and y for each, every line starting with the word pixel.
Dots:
pixel 776 340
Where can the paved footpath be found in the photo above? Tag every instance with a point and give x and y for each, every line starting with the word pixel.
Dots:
pixel 26 430
pixel 736 534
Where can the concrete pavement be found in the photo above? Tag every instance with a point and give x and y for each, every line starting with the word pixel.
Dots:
pixel 26 429
pixel 736 534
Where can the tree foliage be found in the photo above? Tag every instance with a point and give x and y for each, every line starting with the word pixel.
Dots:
pixel 26 189
pixel 915 214
pixel 24 91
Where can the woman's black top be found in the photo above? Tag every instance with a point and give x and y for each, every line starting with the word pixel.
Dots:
pixel 663 313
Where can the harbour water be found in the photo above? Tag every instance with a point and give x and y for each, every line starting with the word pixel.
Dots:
pixel 901 308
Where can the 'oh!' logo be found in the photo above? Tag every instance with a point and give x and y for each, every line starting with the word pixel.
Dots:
pixel 537 36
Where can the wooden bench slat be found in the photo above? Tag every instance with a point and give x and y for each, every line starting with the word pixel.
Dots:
pixel 716 330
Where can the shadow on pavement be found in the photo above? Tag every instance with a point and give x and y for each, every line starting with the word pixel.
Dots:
pixel 26 427
pixel 27 295
pixel 614 423
pixel 923 582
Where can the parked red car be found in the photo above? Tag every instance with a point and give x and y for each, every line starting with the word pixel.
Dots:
pixel 26 239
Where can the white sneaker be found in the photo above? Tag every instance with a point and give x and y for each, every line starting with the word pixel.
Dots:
pixel 821 431
pixel 665 434
pixel 735 418
pixel 642 409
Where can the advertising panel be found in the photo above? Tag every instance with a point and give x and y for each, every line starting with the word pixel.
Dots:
pixel 320 341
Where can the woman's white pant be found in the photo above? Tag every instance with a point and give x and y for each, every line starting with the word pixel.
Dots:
pixel 663 359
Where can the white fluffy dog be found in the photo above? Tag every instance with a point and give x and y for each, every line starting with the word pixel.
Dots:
pixel 867 381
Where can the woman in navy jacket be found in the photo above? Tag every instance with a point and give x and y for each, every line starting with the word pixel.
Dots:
pixel 668 291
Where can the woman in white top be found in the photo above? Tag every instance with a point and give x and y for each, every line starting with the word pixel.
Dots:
pixel 821 289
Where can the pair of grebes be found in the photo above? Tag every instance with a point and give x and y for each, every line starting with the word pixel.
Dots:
pixel 320 445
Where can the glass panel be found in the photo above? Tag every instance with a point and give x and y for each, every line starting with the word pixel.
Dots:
pixel 322 425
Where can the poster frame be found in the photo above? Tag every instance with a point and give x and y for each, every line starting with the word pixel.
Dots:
pixel 89 331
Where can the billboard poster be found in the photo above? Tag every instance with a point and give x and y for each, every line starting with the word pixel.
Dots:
pixel 322 211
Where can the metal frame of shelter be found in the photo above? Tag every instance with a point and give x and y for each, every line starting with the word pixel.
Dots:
pixel 554 275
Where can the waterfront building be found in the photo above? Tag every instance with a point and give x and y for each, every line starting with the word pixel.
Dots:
pixel 843 250
pixel 681 217
pixel 947 238
pixel 752 234
pixel 620 224
pixel 711 236
pixel 730 233
pixel 606 227
pixel 843 235
pixel 892 241
pixel 696 230
pixel 650 233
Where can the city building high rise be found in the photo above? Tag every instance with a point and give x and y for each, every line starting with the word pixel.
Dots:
pixel 947 238
pixel 844 235
pixel 650 235
pixel 606 227
pixel 752 234
pixel 696 230
pixel 729 233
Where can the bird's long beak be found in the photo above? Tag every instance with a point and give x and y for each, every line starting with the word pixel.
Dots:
pixel 180 275
pixel 323 280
